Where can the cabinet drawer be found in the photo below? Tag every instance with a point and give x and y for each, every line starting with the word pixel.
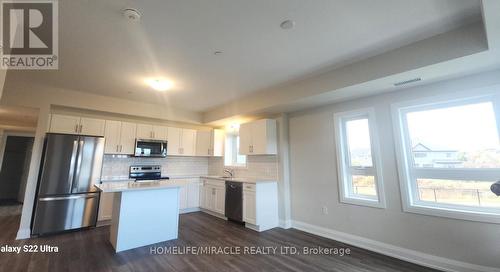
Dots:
pixel 249 186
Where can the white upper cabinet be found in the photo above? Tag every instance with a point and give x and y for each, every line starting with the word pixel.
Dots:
pixel 160 133
pixel 210 142
pixel 188 142
pixel 112 136
pixel 181 141
pixel 245 134
pixel 127 138
pixel 203 139
pixel 174 141
pixel 64 124
pixel 92 126
pixel 69 124
pixel 218 138
pixel 258 138
pixel 120 137
pixel 144 131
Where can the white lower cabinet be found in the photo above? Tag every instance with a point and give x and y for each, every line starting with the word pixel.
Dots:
pixel 260 205
pixel 249 207
pixel 189 195
pixel 213 194
pixel 193 195
pixel 183 197
pixel 105 206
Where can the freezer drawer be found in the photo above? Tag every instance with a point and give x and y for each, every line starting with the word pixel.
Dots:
pixel 60 213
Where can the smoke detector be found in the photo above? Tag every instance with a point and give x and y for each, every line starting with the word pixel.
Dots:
pixel 132 14
pixel 287 24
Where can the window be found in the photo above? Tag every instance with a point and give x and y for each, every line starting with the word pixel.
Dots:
pixel 232 145
pixel 461 143
pixel 360 179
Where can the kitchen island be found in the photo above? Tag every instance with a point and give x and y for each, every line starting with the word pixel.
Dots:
pixel 144 213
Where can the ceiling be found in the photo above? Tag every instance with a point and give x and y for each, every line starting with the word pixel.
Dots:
pixel 101 52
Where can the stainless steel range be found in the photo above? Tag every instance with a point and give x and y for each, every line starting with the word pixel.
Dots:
pixel 146 173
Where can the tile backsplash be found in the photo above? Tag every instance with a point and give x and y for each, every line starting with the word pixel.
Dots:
pixel 116 166
pixel 265 167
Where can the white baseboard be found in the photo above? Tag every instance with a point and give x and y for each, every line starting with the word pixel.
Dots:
pixel 189 210
pixel 23 234
pixel 285 224
pixel 221 216
pixel 404 254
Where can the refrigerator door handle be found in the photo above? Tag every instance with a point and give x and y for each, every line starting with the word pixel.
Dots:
pixel 72 162
pixel 78 165
pixel 68 197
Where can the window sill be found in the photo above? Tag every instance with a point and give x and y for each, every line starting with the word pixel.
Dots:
pixel 468 215
pixel 363 202
pixel 236 166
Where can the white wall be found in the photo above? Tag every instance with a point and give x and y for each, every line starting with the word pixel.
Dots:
pixel 314 184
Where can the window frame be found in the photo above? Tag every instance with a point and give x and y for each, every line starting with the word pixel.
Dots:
pixel 343 160
pixel 408 173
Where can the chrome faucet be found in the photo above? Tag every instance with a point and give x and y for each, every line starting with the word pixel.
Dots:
pixel 229 171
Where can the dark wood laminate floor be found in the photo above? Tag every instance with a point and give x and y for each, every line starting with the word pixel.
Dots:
pixel 90 251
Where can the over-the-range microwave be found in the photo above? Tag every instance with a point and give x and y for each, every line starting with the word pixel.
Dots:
pixel 150 148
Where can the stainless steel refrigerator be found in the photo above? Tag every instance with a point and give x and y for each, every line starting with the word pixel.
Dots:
pixel 66 196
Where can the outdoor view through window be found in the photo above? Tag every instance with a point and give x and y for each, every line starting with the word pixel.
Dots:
pixel 359 146
pixel 454 138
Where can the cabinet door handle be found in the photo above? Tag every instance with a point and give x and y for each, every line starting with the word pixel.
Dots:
pixel 121 147
pixel 76 128
pixel 116 148
pixel 81 126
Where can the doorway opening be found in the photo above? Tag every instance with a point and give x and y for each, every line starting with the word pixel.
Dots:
pixel 14 166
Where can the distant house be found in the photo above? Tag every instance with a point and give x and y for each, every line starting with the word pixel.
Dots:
pixel 425 156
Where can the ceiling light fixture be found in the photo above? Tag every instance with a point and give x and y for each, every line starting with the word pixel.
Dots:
pixel 287 24
pixel 160 84
pixel 218 53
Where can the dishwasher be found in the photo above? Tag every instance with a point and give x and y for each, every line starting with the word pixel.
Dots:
pixel 234 201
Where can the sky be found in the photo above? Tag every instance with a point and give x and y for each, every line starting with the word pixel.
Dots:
pixel 463 128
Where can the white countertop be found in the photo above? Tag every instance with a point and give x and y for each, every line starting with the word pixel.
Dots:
pixel 239 179
pixel 113 187
pixel 179 180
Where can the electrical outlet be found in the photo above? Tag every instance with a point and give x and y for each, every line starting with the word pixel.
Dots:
pixel 324 210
